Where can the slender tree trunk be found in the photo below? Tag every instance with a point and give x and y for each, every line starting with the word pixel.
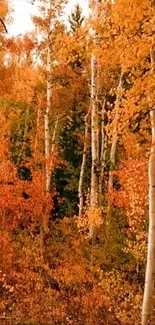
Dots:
pixel 94 188
pixel 54 135
pixel 83 165
pixel 94 195
pixel 150 268
pixel 47 130
pixel 115 135
pixel 37 134
pixel 103 151
pixel 53 146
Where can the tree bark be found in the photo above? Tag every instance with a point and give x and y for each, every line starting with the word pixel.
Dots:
pixel 148 298
pixel 53 146
pixel 103 151
pixel 83 165
pixel 37 134
pixel 47 130
pixel 94 193
pixel 115 135
pixel 94 188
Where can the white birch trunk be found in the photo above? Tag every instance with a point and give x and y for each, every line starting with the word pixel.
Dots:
pixel 94 195
pixel 103 151
pixel 147 307
pixel 94 191
pixel 115 135
pixel 54 135
pixel 53 146
pixel 94 187
pixel 47 130
pixel 37 134
pixel 83 165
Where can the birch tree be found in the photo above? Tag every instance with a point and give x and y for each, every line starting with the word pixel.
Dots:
pixel 115 132
pixel 50 12
pixel 47 130
pixel 103 150
pixel 150 268
pixel 94 193
pixel 83 165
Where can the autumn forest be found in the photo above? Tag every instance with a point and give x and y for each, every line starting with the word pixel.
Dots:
pixel 77 165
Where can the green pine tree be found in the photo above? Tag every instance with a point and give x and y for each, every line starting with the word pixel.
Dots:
pixel 66 177
pixel 76 19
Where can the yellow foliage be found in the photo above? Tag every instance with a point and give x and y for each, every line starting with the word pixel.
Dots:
pixel 91 219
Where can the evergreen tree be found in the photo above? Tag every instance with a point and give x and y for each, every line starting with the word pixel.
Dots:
pixel 66 178
pixel 76 19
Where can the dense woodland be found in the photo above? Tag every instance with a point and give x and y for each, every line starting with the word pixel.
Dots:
pixel 77 165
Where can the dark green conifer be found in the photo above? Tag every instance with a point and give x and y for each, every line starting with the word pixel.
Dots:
pixel 76 19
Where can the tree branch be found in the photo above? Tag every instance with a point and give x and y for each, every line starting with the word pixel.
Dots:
pixel 2 22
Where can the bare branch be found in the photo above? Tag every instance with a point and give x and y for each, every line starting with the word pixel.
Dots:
pixel 2 22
